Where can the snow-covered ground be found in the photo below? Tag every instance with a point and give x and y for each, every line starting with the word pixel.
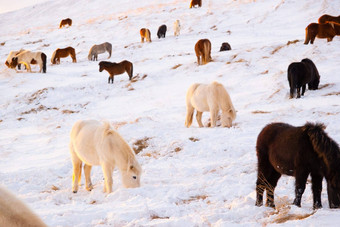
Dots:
pixel 191 176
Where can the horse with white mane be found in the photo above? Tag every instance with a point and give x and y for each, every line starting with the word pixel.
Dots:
pixel 97 143
pixel 209 97
pixel 28 57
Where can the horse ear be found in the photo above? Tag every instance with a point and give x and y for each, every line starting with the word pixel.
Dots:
pixel 131 167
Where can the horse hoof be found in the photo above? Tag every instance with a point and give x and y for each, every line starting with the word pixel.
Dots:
pixel 74 191
pixel 258 204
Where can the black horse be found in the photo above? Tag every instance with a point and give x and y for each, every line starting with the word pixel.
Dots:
pixel 300 74
pixel 225 46
pixel 161 31
pixel 297 151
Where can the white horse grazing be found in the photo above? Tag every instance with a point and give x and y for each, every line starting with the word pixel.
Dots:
pixel 15 213
pixel 177 28
pixel 209 97
pixel 96 143
pixel 27 57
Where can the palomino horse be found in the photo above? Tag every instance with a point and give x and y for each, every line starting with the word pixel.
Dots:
pixel 322 31
pixel 161 31
pixel 65 22
pixel 114 68
pixel 11 55
pixel 15 213
pixel 193 3
pixel 27 57
pixel 97 143
pixel 99 49
pixel 63 53
pixel 203 50
pixel 297 151
pixel 145 34
pixel 209 97
pixel 328 18
pixel 177 28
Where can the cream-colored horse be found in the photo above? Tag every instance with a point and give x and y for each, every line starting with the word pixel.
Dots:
pixel 209 97
pixel 177 28
pixel 15 213
pixel 11 55
pixel 28 57
pixel 97 143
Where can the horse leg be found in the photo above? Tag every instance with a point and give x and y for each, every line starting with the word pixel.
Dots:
pixel 272 182
pixel 316 189
pixel 107 171
pixel 300 185
pixel 213 116
pixel 87 172
pixel 199 118
pixel 298 93
pixel 76 177
pixel 312 39
pixel 142 39
pixel 303 89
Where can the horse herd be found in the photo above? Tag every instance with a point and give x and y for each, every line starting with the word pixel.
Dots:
pixel 280 148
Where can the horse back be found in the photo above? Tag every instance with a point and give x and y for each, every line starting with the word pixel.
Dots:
pixel 298 74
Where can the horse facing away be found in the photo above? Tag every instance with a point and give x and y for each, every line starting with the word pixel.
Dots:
pixel 209 97
pixel 161 31
pixel 99 49
pixel 328 18
pixel 63 53
pixel 27 57
pixel 297 151
pixel 193 3
pixel 97 143
pixel 177 28
pixel 145 34
pixel 203 51
pixel 65 22
pixel 301 73
pixel 16 213
pixel 321 31
pixel 114 68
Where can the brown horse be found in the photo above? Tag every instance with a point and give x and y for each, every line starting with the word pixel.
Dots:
pixel 193 3
pixel 328 18
pixel 322 31
pixel 65 22
pixel 203 51
pixel 63 53
pixel 145 33
pixel 114 68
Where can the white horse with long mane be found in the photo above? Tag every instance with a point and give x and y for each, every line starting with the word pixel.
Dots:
pixel 97 143
pixel 27 58
pixel 209 97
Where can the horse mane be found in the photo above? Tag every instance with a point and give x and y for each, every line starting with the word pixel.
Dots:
pixel 323 145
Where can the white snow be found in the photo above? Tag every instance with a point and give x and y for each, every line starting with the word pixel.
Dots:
pixel 208 182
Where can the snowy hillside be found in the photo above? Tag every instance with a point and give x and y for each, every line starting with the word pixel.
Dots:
pixel 191 176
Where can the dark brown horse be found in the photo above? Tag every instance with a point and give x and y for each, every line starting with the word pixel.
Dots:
pixel 63 53
pixel 193 3
pixel 322 31
pixel 65 22
pixel 297 151
pixel 328 18
pixel 203 51
pixel 116 68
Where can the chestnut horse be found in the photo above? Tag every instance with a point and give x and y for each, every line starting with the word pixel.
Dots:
pixel 203 51
pixel 328 18
pixel 297 151
pixel 114 68
pixel 145 34
pixel 193 3
pixel 63 53
pixel 322 31
pixel 65 22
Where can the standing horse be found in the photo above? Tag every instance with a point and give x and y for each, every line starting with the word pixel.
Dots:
pixel 161 31
pixel 114 68
pixel 225 46
pixel 203 51
pixel 96 143
pixel 99 49
pixel 65 22
pixel 63 53
pixel 322 31
pixel 27 57
pixel 328 18
pixel 297 151
pixel 301 73
pixel 193 3
pixel 145 34
pixel 177 28
pixel 209 97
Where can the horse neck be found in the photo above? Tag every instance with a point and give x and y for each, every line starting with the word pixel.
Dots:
pixel 123 154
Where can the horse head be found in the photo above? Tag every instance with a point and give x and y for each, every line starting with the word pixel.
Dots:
pixel 131 176
pixel 101 68
pixel 14 62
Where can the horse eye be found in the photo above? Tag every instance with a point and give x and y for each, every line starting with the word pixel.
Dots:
pixel 134 177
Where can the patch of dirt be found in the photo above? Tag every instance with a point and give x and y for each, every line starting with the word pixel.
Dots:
pixel 140 145
pixel 3 44
pixel 34 42
pixel 325 85
pixel 176 66
pixel 193 139
pixel 69 111
pixel 265 72
pixel 38 94
pixel 260 112
pixel 214 28
pixel 155 216
pixel 192 199
pixel 292 42
pixel 38 109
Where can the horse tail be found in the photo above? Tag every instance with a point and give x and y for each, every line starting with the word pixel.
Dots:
pixel 206 52
pixel 131 72
pixel 44 58
pixel 307 39
pixel 148 35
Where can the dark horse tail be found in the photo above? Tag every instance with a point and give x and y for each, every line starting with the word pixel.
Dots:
pixel 131 72
pixel 44 59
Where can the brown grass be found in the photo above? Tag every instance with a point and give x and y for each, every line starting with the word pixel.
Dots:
pixel 193 139
pixel 3 44
pixel 34 42
pixel 325 85
pixel 38 109
pixel 292 42
pixel 332 93
pixel 192 199
pixel 272 95
pixel 140 145
pixel 37 94
pixel 155 216
pixel 176 66
pixel 265 72
pixel 69 111
pixel 260 112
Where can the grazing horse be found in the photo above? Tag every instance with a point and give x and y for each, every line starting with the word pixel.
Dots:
pixel 225 46
pixel 63 53
pixel 209 97
pixel 16 213
pixel 297 151
pixel 301 73
pixel 322 31
pixel 65 22
pixel 328 18
pixel 97 143
pixel 145 34
pixel 203 51
pixel 193 3
pixel 27 57
pixel 177 28
pixel 11 55
pixel 161 31
pixel 114 68
pixel 99 49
